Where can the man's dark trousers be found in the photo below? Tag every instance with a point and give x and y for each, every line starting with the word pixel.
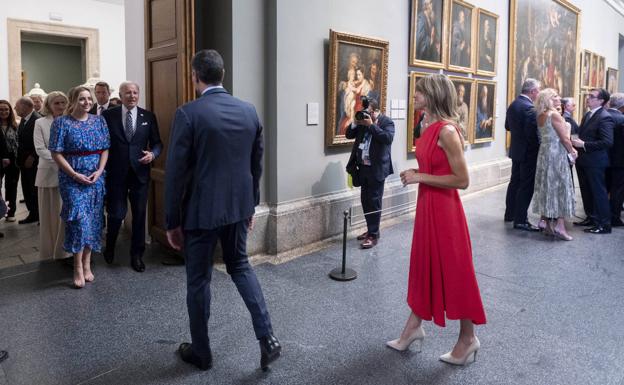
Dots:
pixel 594 194
pixel 199 248
pixel 371 198
pixel 523 180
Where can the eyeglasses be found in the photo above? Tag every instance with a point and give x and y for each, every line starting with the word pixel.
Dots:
pixel 590 96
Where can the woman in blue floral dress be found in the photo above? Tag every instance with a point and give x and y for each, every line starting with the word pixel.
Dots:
pixel 79 144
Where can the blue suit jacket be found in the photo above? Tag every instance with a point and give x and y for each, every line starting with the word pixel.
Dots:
pixel 617 151
pixel 597 133
pixel 123 154
pixel 214 163
pixel 379 152
pixel 521 121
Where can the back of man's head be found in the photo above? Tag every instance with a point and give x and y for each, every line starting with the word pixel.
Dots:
pixel 208 66
pixel 617 101
pixel 529 85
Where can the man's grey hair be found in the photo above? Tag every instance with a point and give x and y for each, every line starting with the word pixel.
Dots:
pixel 617 100
pixel 127 83
pixel 25 100
pixel 529 85
pixel 566 101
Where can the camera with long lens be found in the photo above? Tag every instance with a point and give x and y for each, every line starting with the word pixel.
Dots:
pixel 363 114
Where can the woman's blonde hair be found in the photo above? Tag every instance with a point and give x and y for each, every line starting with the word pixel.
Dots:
pixel 544 102
pixel 74 94
pixel 440 96
pixel 47 105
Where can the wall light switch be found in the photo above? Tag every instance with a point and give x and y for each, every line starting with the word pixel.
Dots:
pixel 313 114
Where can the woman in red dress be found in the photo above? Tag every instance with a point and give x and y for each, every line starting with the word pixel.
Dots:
pixel 442 282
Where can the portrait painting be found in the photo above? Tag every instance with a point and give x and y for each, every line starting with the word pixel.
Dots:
pixel 465 105
pixel 462 43
pixel 612 80
pixel 484 105
pixel 487 42
pixel 600 73
pixel 415 113
pixel 428 33
pixel 585 68
pixel 358 67
pixel 582 105
pixel 543 44
pixel 593 71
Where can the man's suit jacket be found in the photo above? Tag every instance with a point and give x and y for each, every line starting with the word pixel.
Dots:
pixel 597 133
pixel 214 163
pixel 123 154
pixel 93 109
pixel 26 143
pixel 617 151
pixel 574 127
pixel 521 121
pixel 381 143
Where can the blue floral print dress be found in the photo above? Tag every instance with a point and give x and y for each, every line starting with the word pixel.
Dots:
pixel 81 142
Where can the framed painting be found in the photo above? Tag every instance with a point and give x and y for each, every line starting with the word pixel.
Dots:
pixel 415 113
pixel 461 50
pixel 358 66
pixel 543 44
pixel 582 105
pixel 612 80
pixel 600 73
pixel 465 105
pixel 428 35
pixel 593 71
pixel 487 42
pixel 585 68
pixel 485 116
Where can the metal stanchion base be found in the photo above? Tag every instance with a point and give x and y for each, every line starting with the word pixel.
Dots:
pixel 338 275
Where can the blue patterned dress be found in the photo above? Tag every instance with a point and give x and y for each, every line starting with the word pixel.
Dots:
pixel 82 204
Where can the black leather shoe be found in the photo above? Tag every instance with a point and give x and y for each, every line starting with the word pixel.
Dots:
pixel 617 223
pixel 270 350
pixel 109 255
pixel 29 219
pixel 526 226
pixel 362 236
pixel 1 235
pixel 584 222
pixel 3 355
pixel 187 355
pixel 137 263
pixel 599 230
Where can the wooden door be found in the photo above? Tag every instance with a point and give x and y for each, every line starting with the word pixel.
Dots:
pixel 169 47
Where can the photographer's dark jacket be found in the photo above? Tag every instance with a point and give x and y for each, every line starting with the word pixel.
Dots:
pixel 379 152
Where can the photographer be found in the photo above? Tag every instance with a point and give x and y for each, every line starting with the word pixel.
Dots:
pixel 370 162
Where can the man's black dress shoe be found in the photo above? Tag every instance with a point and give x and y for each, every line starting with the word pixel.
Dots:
pixel 3 355
pixel 617 223
pixel 137 263
pixel 599 230
pixel 187 355
pixel 1 235
pixel 29 219
pixel 270 350
pixel 584 222
pixel 526 226
pixel 109 255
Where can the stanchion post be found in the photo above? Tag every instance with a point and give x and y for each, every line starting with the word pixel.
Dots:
pixel 344 274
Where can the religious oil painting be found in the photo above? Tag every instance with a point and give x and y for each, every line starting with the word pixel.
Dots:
pixel 428 37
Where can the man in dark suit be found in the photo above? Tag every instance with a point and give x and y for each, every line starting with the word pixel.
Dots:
pixel 371 162
pixel 135 143
pixel 102 96
pixel 214 164
pixel 521 121
pixel 569 106
pixel 594 141
pixel 27 158
pixel 616 169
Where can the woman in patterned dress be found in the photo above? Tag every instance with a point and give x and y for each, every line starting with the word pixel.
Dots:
pixel 79 144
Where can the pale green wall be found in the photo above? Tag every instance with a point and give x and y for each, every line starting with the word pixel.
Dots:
pixel 53 66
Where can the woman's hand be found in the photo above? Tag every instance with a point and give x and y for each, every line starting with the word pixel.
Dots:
pixel 95 176
pixel 81 178
pixel 410 176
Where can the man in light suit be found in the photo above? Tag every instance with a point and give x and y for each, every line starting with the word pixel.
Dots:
pixel 135 143
pixel 521 121
pixel 214 164
pixel 102 96
pixel 27 158
pixel 594 141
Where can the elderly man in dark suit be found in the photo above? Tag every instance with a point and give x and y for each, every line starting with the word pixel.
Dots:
pixel 135 143
pixel 594 141
pixel 371 161
pixel 521 121
pixel 616 169
pixel 214 164
pixel 27 158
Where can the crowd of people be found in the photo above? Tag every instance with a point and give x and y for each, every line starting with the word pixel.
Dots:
pixel 546 142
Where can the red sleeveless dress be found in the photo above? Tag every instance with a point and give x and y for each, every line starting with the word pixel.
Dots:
pixel 442 279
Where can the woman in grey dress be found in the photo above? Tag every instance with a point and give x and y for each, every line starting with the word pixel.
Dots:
pixel 554 191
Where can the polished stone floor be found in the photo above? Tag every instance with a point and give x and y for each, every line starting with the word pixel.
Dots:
pixel 554 316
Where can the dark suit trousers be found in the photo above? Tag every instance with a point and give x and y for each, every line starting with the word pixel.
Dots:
pixel 523 183
pixel 199 249
pixel 29 190
pixel 616 192
pixel 118 194
pixel 371 198
pixel 11 178
pixel 594 194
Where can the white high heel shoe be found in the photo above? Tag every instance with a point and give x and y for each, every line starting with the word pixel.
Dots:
pixel 471 355
pixel 418 335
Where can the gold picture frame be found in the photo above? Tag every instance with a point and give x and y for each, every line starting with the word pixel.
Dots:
pixel 358 66
pixel 487 50
pixel 461 47
pixel 612 80
pixel 585 74
pixel 485 114
pixel 414 116
pixel 465 110
pixel 428 18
